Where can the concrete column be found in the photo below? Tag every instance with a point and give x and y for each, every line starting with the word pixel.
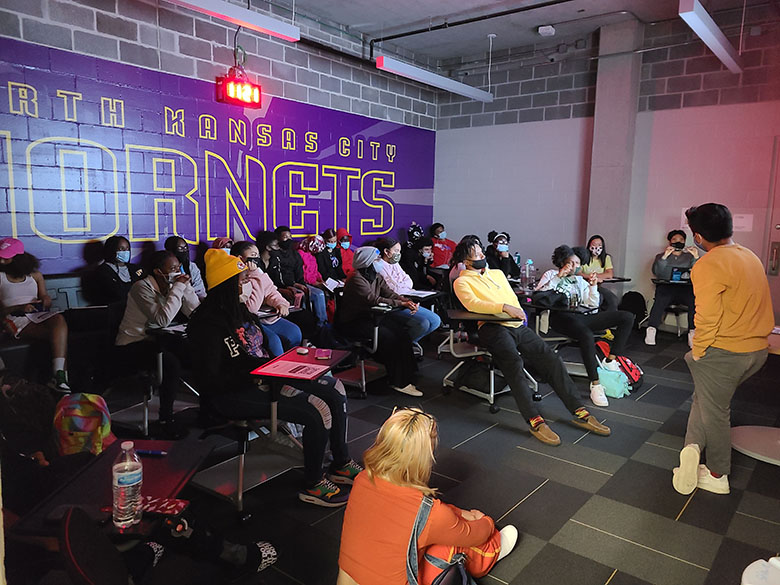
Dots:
pixel 610 206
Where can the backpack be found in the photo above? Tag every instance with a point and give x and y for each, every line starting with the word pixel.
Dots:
pixel 634 302
pixel 632 371
pixel 615 383
pixel 82 423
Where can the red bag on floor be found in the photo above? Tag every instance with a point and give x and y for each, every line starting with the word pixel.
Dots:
pixel 627 366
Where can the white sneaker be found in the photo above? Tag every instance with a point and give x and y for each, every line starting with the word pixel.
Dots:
pixel 686 478
pixel 650 336
pixel 409 389
pixel 716 485
pixel 508 541
pixel 611 365
pixel 597 395
pixel 690 337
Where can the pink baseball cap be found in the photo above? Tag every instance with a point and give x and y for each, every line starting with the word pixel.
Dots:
pixel 10 247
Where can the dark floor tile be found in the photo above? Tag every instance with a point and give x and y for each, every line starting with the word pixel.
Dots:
pixel 457 464
pixel 675 424
pixel 646 487
pixel 623 578
pixel 765 480
pixel 678 365
pixel 493 446
pixel 624 440
pixel 666 396
pixel 732 558
pixel 658 362
pixel 544 512
pixel 371 413
pixel 557 565
pixel 712 512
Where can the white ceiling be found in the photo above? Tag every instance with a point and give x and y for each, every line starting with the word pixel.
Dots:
pixel 573 19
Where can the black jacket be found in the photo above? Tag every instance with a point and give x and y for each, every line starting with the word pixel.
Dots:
pixel 416 266
pixel 221 362
pixel 104 287
pixel 506 265
pixel 329 264
pixel 291 267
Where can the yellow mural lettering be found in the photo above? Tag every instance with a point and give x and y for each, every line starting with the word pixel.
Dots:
pixel 390 152
pixel 343 177
pixel 245 196
pixel 310 139
pixel 264 135
pixel 94 159
pixel 112 112
pixel 22 99
pixel 283 185
pixel 143 161
pixel 66 172
pixel 69 99
pixel 360 148
pixel 207 127
pixel 344 146
pixel 368 187
pixel 7 156
pixel 288 139
pixel 374 149
pixel 174 121
pixel 237 131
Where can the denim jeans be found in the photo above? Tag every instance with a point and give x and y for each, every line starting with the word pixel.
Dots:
pixel 317 297
pixel 281 336
pixel 419 324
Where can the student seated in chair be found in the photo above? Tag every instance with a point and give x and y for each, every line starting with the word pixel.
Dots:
pixel 565 278
pixel 178 246
pixel 678 259
pixel 227 343
pixel 111 280
pixel 486 291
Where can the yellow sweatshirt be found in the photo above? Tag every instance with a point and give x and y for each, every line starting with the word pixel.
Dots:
pixel 733 304
pixel 486 293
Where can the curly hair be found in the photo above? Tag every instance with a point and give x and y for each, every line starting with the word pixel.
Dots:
pixel 561 254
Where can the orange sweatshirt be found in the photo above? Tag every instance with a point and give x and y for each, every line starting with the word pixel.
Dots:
pixel 733 304
pixel 378 522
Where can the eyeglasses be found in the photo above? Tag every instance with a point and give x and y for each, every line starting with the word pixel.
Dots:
pixel 415 413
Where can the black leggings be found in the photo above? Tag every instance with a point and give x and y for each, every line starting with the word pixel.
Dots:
pixel 394 350
pixel 320 406
pixel 581 327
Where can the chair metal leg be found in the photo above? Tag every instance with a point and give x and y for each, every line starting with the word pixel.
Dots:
pixel 147 395
pixel 363 377
pixel 274 418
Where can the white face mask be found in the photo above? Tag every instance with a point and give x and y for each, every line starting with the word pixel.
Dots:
pixel 246 291
pixel 596 250
pixel 172 276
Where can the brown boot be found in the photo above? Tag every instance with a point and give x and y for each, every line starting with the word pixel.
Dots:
pixel 546 435
pixel 592 425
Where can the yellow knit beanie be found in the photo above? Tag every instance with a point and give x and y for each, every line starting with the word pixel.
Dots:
pixel 221 266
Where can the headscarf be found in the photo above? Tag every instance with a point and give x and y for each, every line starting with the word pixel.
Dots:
pixel 313 244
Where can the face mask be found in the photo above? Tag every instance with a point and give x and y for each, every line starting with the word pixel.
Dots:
pixel 699 246
pixel 182 257
pixel 285 244
pixel 442 235
pixel 596 250
pixel 478 264
pixel 123 256
pixel 246 291
pixel 172 276
pixel 679 245
pixel 578 269
pixel 345 245
pixel 331 245
pixel 502 247
pixel 427 255
pixel 394 259
pixel 274 253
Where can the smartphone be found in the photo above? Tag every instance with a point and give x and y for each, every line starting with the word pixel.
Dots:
pixel 323 354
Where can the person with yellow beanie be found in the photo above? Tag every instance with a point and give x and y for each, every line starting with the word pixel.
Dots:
pixel 227 343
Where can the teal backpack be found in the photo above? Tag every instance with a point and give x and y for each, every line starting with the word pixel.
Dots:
pixel 615 383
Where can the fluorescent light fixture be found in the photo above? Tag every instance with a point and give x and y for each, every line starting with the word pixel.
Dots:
pixel 243 17
pixel 424 76
pixel 697 17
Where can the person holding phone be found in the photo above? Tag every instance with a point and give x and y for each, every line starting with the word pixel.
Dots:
pixel 565 278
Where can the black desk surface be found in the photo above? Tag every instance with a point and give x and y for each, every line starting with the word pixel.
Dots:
pixel 677 282
pixel 458 315
pixel 615 279
pixel 164 477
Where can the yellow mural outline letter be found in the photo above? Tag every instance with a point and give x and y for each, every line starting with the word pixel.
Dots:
pixel 352 174
pixel 69 99
pixel 22 104
pixel 373 177
pixel 229 199
pixel 87 227
pixel 301 197
pixel 172 164
pixel 116 112
pixel 174 121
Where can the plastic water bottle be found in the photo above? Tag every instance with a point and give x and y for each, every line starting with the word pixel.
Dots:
pixel 128 477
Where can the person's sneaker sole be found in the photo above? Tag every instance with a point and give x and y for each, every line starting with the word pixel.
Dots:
pixel 408 391
pixel 320 502
pixel 712 485
pixel 687 476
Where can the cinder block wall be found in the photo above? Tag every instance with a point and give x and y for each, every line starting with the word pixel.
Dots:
pixel 165 37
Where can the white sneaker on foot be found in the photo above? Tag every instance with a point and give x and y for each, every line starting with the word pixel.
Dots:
pixel 690 337
pixel 716 485
pixel 597 395
pixel 650 336
pixel 611 365
pixel 509 537
pixel 409 389
pixel 686 478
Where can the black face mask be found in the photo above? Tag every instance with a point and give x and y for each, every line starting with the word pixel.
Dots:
pixel 369 273
pixel 478 264
pixel 183 258
pixel 678 245
pixel 274 253
pixel 285 244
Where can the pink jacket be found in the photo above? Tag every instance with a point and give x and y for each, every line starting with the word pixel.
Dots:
pixel 310 272
pixel 264 292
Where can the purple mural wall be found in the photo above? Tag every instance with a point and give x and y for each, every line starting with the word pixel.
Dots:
pixel 91 148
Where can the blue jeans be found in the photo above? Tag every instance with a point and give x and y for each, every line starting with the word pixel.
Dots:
pixel 420 323
pixel 318 304
pixel 281 336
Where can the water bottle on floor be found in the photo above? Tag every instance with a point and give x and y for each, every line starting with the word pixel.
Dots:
pixel 128 477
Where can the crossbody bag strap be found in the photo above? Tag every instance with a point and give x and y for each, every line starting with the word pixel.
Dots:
pixel 412 561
